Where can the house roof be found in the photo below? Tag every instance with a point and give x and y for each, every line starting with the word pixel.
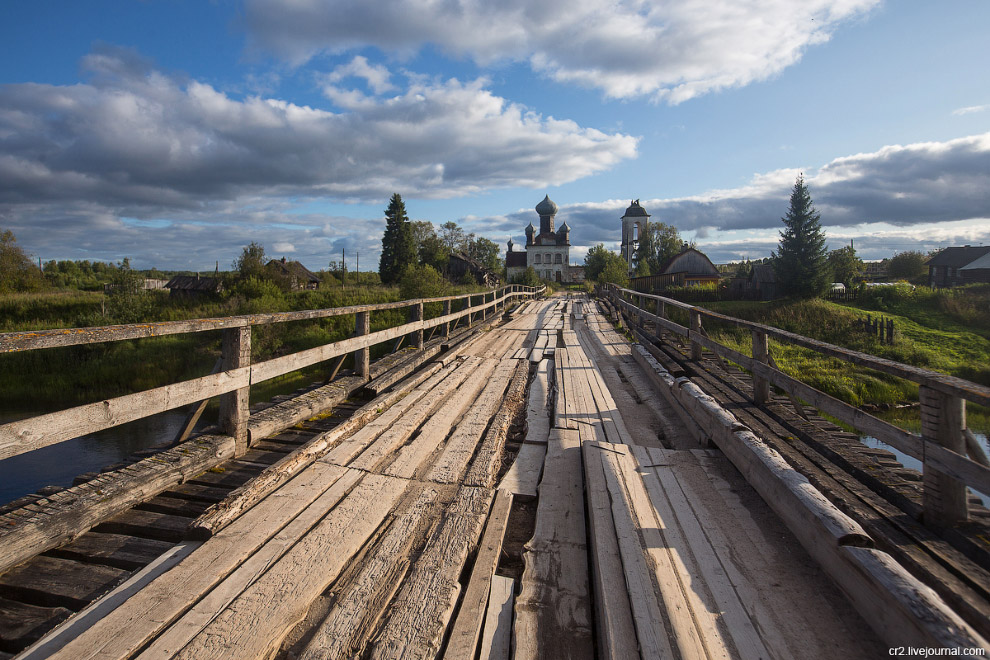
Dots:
pixel 979 264
pixel 673 265
pixel 193 283
pixel 293 269
pixel 957 257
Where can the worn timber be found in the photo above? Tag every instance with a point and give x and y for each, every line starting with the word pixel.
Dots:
pixel 542 488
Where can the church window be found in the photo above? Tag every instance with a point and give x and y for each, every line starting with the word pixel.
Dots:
pixel 546 258
pixel 556 258
pixel 538 259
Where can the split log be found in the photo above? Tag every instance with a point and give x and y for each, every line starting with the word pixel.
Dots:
pixel 462 642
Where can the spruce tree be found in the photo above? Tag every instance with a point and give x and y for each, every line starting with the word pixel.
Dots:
pixel 398 246
pixel 800 262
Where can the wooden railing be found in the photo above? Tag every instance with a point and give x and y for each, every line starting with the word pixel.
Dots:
pixel 943 444
pixel 233 381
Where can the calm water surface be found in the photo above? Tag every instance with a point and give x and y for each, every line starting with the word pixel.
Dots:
pixel 59 464
pixel 915 464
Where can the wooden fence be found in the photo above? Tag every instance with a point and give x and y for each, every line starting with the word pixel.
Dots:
pixel 232 382
pixel 943 444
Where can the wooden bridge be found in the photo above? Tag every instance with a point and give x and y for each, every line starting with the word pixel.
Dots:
pixel 521 482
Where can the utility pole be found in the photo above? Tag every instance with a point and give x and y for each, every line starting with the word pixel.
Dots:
pixel 343 268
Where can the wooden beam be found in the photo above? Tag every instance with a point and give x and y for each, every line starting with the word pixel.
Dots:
pixel 235 406
pixel 61 517
pixel 466 631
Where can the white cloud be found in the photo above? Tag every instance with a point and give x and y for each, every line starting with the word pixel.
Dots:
pixel 282 246
pixel 970 110
pixel 133 138
pixel 928 193
pixel 672 50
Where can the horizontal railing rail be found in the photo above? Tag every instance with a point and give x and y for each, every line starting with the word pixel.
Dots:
pixel 236 375
pixel 942 446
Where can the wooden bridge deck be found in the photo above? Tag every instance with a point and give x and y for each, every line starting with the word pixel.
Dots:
pixel 529 496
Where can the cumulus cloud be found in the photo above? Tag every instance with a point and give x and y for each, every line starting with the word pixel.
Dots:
pixel 928 193
pixel 668 49
pixel 134 137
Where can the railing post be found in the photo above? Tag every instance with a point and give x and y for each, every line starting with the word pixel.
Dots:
pixel 447 305
pixel 235 352
pixel 943 418
pixel 761 353
pixel 416 314
pixel 695 326
pixel 640 319
pixel 362 356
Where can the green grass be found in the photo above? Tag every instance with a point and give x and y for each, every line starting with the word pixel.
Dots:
pixel 941 331
pixel 54 379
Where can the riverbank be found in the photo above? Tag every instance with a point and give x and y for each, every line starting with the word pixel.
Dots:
pixel 935 330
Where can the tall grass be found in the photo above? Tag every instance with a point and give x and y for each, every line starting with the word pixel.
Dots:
pixel 936 332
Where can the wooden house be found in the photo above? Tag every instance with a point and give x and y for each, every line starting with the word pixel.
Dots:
pixel 294 273
pixel 692 267
pixel 193 286
pixel 952 266
pixel 460 264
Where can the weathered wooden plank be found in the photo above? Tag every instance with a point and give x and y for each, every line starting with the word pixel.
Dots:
pixel 77 509
pixel 123 631
pixel 21 624
pixel 116 550
pixel 403 427
pixel 84 620
pixel 349 449
pixel 523 476
pixel 286 414
pixel 553 616
pixel 461 445
pixel 54 582
pixel 359 604
pixel 195 620
pixel 270 479
pixel 254 624
pixel 616 632
pixel 488 458
pixel 687 540
pixel 44 430
pixel 650 578
pixel 415 624
pixel 146 524
pixel 537 405
pixel 496 641
pixel 409 458
pixel 462 642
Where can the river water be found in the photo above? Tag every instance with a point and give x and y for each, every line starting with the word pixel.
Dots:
pixel 58 465
pixel 915 464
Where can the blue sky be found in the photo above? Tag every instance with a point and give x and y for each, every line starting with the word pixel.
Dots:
pixel 175 132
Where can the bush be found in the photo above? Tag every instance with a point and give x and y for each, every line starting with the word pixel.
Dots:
pixel 422 282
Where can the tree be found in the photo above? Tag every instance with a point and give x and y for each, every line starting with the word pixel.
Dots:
pixel 595 261
pixel 452 236
pixel 486 252
pixel 252 260
pixel 528 277
pixel 658 242
pixel 398 248
pixel 615 272
pixel 17 273
pixel 907 265
pixel 800 260
pixel 845 266
pixel 603 265
pixel 421 281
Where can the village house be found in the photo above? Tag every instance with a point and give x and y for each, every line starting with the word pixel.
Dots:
pixel 955 266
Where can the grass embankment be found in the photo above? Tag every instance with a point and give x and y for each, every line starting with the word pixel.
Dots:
pixel 946 331
pixel 54 379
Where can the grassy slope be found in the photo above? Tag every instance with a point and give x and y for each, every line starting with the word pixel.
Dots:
pixel 942 331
